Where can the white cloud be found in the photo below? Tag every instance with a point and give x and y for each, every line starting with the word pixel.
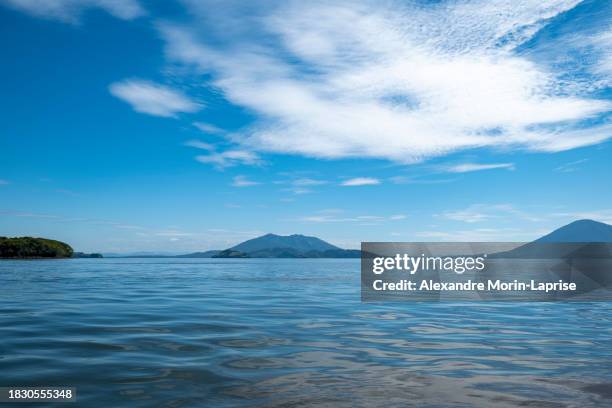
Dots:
pixel 481 235
pixel 208 128
pixel 357 79
pixel 360 181
pixel 324 218
pixel 487 212
pixel 571 166
pixel 198 144
pixel 307 182
pixel 153 99
pixel 298 190
pixel 173 234
pixel 469 215
pixel 419 180
pixel 243 181
pixel 230 158
pixel 335 216
pixel 70 10
pixel 303 185
pixel 223 159
pixel 469 167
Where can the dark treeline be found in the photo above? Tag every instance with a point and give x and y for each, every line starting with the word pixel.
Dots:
pixel 28 247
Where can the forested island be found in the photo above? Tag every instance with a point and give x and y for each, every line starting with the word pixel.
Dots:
pixel 34 248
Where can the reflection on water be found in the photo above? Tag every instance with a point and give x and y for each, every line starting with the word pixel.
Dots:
pixel 163 332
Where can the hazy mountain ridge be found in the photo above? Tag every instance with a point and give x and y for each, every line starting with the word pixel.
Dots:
pixel 302 246
pixel 582 238
pixel 580 231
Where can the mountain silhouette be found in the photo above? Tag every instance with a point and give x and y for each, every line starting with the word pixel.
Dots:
pixel 582 238
pixel 580 231
pixel 286 246
pixel 300 243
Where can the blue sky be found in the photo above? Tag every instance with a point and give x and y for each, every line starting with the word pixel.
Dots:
pixel 193 125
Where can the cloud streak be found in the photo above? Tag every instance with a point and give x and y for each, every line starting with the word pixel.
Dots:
pixel 70 10
pixel 327 217
pixel 360 181
pixel 153 99
pixel 470 167
pixel 477 213
pixel 243 181
pixel 571 166
pixel 223 159
pixel 230 158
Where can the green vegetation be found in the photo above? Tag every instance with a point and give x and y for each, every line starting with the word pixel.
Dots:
pixel 28 247
pixel 84 255
pixel 230 253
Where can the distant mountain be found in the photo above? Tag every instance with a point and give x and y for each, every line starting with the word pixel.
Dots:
pixel 205 254
pixel 299 243
pixel 580 231
pixel 290 246
pixel 592 233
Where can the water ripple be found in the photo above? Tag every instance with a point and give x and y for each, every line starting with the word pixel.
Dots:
pixel 280 333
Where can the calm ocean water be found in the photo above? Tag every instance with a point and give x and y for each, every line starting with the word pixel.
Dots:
pixel 271 333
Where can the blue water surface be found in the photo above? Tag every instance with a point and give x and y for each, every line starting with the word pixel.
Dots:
pixel 286 332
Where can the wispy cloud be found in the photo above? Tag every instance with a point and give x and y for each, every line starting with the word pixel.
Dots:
pixel 208 128
pixel 153 99
pixel 481 235
pixel 223 159
pixel 173 234
pixel 70 10
pixel 307 182
pixel 360 181
pixel 487 212
pixel 358 79
pixel 230 158
pixel 27 214
pixel 469 215
pixel 243 181
pixel 336 216
pixel 198 144
pixel 419 180
pixel 302 185
pixel 469 167
pixel 571 166
pixel 325 218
